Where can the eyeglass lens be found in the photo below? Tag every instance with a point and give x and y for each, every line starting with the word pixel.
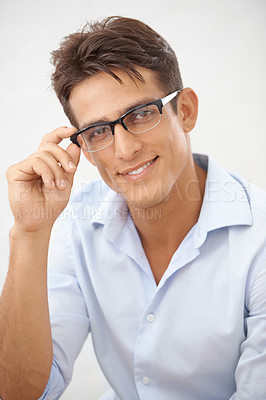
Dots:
pixel 137 121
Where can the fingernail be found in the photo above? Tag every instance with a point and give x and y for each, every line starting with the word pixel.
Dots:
pixel 71 164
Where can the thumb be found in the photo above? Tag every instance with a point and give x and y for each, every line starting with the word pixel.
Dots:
pixel 74 151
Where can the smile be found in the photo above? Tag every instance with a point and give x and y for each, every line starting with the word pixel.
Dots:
pixel 139 170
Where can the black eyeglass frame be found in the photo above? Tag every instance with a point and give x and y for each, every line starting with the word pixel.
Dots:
pixel 159 103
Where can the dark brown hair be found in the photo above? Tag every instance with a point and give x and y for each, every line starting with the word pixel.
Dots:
pixel 113 43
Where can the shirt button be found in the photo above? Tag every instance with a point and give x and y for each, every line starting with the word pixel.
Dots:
pixel 146 380
pixel 150 317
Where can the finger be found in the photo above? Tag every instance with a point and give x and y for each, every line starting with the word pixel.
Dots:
pixel 59 154
pixel 74 151
pixel 32 169
pixel 58 171
pixel 57 135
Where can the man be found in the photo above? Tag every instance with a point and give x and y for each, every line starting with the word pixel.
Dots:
pixel 163 260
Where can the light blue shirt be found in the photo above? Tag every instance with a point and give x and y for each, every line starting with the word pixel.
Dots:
pixel 200 334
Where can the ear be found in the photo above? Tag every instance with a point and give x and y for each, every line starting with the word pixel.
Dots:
pixel 187 108
pixel 89 157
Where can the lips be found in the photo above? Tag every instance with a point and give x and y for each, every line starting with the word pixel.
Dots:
pixel 138 169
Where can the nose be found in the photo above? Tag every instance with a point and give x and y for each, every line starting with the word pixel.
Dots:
pixel 126 144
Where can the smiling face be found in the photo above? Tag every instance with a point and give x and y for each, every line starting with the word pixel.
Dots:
pixel 143 168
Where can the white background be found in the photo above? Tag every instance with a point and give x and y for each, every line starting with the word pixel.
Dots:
pixel 221 50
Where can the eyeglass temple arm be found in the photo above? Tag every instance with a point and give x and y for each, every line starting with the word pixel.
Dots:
pixel 170 97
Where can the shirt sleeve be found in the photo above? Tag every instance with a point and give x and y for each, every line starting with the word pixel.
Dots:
pixel 68 313
pixel 251 370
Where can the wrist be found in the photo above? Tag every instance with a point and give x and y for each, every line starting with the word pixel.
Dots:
pixel 28 252
pixel 19 231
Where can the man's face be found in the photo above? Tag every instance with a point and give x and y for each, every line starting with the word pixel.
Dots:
pixel 143 168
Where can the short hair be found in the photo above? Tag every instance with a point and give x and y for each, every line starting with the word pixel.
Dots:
pixel 115 43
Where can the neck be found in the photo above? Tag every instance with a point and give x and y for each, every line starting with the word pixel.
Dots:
pixel 165 225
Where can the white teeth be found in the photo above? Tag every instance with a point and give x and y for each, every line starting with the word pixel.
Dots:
pixel 137 171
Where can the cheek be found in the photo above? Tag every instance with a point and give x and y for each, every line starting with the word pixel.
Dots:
pixel 176 140
pixel 178 150
pixel 89 157
pixel 104 166
pixel 99 162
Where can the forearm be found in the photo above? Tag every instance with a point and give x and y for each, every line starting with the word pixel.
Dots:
pixel 26 345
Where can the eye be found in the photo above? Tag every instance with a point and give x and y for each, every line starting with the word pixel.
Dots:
pixel 142 115
pixel 98 132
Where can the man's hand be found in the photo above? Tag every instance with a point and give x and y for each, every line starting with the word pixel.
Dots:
pixel 40 186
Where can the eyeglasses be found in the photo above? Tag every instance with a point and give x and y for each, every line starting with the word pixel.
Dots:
pixel 138 120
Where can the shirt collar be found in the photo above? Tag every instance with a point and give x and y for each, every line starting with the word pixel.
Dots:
pixel 112 213
pixel 226 200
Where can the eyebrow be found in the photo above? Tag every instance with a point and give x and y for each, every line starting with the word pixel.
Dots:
pixel 120 112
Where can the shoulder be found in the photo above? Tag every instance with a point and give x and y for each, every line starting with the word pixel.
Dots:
pixel 256 197
pixel 251 239
pixel 258 200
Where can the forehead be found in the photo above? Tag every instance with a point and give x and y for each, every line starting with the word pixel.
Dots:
pixel 102 97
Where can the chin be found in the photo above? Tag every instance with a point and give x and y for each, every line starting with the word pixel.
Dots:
pixel 143 195
pixel 145 202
